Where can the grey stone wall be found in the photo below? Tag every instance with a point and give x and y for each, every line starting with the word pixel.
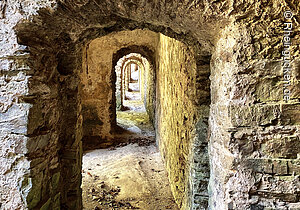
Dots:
pixel 251 127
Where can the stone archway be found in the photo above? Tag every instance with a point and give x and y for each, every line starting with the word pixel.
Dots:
pixel 122 77
pixel 98 70
pixel 41 57
pixel 146 59
pixel 99 77
pixel 79 113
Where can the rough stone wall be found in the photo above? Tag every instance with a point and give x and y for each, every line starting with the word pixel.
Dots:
pixel 254 133
pixel 98 83
pixel 14 166
pixel 53 120
pixel 177 113
pixel 119 84
pixel 34 104
pixel 126 78
pixel 28 118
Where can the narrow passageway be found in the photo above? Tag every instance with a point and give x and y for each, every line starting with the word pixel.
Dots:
pixel 130 175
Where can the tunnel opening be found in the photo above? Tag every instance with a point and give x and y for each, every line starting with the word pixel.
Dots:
pixel 174 108
pixel 163 111
pixel 130 79
pixel 131 92
pixel 133 135
pixel 176 102
pixel 133 84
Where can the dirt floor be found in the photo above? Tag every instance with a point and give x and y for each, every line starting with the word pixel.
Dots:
pixel 130 175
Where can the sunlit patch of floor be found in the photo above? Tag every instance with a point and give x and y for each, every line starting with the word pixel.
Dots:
pixel 127 177
pixel 130 175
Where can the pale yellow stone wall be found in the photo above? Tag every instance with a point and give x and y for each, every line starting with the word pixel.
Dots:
pixel 176 111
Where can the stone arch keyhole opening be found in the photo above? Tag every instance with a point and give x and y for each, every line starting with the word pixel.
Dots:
pixel 82 80
pixel 133 135
pixel 134 80
pixel 133 88
pixel 131 71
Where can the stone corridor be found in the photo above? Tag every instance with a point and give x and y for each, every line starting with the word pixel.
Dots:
pixel 217 120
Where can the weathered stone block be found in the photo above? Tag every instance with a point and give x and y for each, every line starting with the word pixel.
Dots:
pixel 294 206
pixel 273 166
pixel 287 147
pixel 254 115
pixel 269 89
pixel 294 167
pixel 56 202
pixel 260 165
pixel 38 142
pixel 290 114
pixel 36 118
pixel 280 167
pixel 35 193
pixel 14 120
